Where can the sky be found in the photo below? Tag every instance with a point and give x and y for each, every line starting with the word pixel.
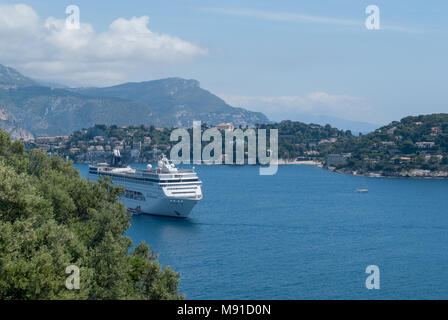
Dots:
pixel 285 58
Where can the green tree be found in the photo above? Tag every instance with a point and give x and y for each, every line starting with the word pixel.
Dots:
pixel 50 218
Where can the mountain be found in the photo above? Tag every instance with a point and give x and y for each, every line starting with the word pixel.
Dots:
pixel 51 84
pixel 11 78
pixel 28 109
pixel 177 102
pixel 42 111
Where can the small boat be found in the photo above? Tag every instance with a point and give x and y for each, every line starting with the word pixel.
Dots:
pixel 362 190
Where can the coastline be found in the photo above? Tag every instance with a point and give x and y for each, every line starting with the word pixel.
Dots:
pixel 411 174
pixel 283 162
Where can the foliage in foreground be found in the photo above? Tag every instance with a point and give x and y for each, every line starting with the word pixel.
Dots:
pixel 50 218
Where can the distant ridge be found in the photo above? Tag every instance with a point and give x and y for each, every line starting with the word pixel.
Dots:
pixel 177 102
pixel 30 109
pixel 11 78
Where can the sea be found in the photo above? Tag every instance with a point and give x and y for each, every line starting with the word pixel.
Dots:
pixel 305 233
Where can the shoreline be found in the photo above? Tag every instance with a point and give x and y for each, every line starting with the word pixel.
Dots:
pixel 412 174
pixel 281 162
pixel 303 162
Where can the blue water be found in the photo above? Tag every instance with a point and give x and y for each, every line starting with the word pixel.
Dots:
pixel 305 233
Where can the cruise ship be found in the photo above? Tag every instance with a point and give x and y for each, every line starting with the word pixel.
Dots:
pixel 163 191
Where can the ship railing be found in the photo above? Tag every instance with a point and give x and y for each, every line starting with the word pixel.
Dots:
pixel 159 171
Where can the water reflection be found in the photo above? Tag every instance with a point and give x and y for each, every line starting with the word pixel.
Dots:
pixel 161 229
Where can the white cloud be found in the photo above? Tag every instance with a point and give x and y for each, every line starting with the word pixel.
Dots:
pixel 47 49
pixel 284 16
pixel 305 18
pixel 315 103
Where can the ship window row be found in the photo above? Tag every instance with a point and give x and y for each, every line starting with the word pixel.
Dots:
pixel 135 195
pixel 187 185
pixel 117 180
pixel 133 179
pixel 182 192
pixel 185 188
pixel 129 179
pixel 179 180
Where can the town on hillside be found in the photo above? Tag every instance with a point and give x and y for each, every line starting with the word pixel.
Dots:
pixel 135 143
pixel 414 146
pixel 297 142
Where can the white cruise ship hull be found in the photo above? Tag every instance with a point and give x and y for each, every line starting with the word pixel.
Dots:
pixel 179 208
pixel 161 199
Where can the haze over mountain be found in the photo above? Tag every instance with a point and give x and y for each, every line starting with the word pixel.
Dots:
pixel 355 127
pixel 11 78
pixel 31 108
pixel 28 109
pixel 177 102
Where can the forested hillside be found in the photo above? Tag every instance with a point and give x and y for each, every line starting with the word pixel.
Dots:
pixel 414 143
pixel 50 218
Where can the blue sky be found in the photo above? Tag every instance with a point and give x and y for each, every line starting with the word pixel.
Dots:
pixel 285 58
